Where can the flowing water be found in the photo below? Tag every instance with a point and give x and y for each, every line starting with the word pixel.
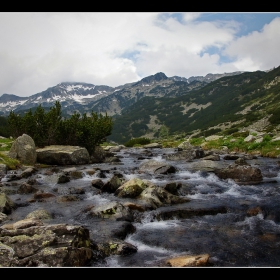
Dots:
pixel 232 239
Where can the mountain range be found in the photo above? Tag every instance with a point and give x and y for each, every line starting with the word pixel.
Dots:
pixel 158 105
pixel 84 97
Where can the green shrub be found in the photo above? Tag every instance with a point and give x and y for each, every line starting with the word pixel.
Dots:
pixel 49 128
pixel 240 134
pixel 137 141
pixel 231 131
pixel 196 141
pixel 209 132
pixel 266 138
pixel 275 118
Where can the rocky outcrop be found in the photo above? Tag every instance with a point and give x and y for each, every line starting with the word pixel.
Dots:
pixel 31 243
pixel 24 150
pixel 62 155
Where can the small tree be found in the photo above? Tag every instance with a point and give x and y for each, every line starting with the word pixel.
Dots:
pixel 93 129
pixel 50 129
pixel 53 119
pixel 68 130
pixel 15 124
pixel 40 132
pixel 164 131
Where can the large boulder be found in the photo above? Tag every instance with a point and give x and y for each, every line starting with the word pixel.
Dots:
pixel 63 155
pixel 24 150
pixel 31 243
pixel 241 174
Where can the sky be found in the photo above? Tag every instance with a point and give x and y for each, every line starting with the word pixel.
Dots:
pixel 39 50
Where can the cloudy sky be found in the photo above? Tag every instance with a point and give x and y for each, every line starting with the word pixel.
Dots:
pixel 39 50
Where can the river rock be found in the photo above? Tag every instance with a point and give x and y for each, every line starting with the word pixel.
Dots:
pixel 112 210
pixel 242 174
pixel 206 165
pixel 189 261
pixel 6 204
pixel 112 184
pixel 156 197
pixel 131 188
pixel 156 167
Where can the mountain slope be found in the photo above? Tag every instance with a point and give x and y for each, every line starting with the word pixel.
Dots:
pixel 227 104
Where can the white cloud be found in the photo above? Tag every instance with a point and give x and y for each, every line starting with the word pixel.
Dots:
pixel 40 50
pixel 257 51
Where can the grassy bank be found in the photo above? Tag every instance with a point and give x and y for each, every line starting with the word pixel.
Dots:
pixel 5 146
pixel 261 144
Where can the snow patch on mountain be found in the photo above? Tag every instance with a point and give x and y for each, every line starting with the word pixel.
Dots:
pixel 12 103
pixel 74 87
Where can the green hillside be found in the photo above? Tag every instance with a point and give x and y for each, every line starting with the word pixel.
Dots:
pixel 226 105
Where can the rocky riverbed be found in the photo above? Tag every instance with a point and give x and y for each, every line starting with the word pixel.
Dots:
pixel 145 207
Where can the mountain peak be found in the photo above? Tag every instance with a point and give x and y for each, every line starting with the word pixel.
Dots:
pixel 157 77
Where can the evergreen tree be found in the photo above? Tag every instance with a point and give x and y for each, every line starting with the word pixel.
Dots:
pixel 48 128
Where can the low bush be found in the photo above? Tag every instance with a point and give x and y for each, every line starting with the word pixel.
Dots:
pixel 137 141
